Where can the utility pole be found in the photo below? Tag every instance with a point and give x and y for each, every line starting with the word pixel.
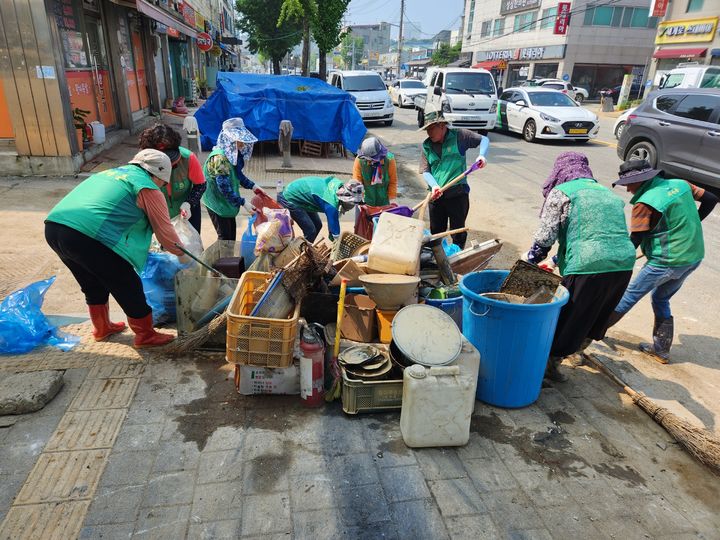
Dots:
pixel 353 51
pixel 400 37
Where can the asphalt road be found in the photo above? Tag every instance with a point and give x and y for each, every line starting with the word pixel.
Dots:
pixel 505 203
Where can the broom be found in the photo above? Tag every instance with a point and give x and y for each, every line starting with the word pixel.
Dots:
pixel 702 444
pixel 335 389
pixel 423 205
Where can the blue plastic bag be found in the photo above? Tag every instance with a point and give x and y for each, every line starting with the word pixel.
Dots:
pixel 23 326
pixel 158 280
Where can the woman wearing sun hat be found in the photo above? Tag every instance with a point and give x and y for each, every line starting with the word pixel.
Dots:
pixel 224 174
pixel 375 167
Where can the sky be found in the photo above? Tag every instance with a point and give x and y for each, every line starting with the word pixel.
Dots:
pixel 422 14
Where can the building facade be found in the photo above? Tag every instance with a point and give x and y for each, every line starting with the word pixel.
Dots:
pixel 376 41
pixel 516 40
pixel 687 33
pixel 67 63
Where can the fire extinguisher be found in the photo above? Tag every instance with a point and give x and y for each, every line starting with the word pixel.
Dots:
pixel 312 367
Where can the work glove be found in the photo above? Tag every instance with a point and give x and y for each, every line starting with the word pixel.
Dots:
pixel 249 208
pixel 185 212
pixel 480 162
pixel 257 190
pixel 436 193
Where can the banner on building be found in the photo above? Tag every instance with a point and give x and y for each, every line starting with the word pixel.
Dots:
pixel 513 6
pixel 658 8
pixel 188 14
pixel 686 31
pixel 562 19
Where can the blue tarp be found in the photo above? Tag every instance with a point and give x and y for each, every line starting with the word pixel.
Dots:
pixel 318 111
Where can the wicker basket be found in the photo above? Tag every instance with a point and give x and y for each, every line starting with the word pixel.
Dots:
pixel 347 245
pixel 258 341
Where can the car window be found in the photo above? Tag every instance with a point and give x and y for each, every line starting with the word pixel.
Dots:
pixel 570 87
pixel 711 79
pixel 665 103
pixel 697 107
pixel 412 84
pixel 477 83
pixel 551 99
pixel 507 96
pixel 554 86
pixel 364 83
pixel 673 80
pixel 440 80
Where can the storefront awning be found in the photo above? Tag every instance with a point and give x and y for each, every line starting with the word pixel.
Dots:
pixel 679 53
pixel 491 64
pixel 419 63
pixel 154 12
pixel 226 49
pixel 715 52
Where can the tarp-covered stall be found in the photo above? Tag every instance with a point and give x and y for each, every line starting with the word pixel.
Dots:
pixel 318 111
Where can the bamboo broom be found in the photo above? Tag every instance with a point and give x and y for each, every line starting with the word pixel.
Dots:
pixel 702 444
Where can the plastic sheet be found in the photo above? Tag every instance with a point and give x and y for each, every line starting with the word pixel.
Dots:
pixel 23 326
pixel 189 237
pixel 158 279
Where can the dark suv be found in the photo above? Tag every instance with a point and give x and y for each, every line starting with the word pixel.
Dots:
pixel 677 130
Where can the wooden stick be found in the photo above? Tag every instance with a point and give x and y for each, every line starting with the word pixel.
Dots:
pixel 451 183
pixel 434 237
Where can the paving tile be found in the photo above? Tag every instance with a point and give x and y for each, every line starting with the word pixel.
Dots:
pixel 19 459
pixel 404 484
pixel 478 527
pixel 306 461
pixel 363 505
pixel 228 529
pixel 62 476
pixel 115 504
pixel 489 474
pixel 568 522
pixel 116 370
pixel 418 520
pixel 531 534
pixel 511 510
pixel 176 456
pixel 53 520
pixel 84 430
pixel 659 516
pixel 162 522
pixel 104 394
pixel 137 437
pixel 114 531
pixel 318 524
pixel 128 468
pixel 266 473
pixel 145 412
pixel 456 497
pixel 265 514
pixel 622 527
pixel 312 492
pixel 215 502
pixel 261 443
pixel 377 531
pixel 440 463
pixel 225 438
pixel 478 447
pixel 543 491
pixel 353 470
pixel 387 445
pixel 11 484
pixel 223 466
pixel 169 488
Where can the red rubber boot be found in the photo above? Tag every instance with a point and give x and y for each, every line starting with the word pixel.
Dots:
pixel 145 335
pixel 102 327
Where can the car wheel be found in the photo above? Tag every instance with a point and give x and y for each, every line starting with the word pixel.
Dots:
pixel 619 130
pixel 529 131
pixel 643 150
pixel 388 123
pixel 579 98
pixel 421 118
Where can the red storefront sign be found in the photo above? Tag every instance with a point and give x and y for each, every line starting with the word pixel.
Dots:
pixel 658 8
pixel 172 32
pixel 188 14
pixel 562 19
pixel 204 41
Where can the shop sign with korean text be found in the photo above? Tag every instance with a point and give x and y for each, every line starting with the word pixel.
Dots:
pixel 563 16
pixel 526 53
pixel 658 8
pixel 188 14
pixel 687 31
pixel 204 41
pixel 513 6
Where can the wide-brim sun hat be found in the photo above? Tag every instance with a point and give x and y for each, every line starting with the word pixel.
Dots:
pixel 239 131
pixel 636 171
pixel 155 162
pixel 432 117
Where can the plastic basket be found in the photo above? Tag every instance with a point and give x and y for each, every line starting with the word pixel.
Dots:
pixel 347 245
pixel 370 396
pixel 258 341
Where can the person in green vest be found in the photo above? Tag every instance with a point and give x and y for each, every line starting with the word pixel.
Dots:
pixel 665 223
pixel 187 183
pixel 442 159
pixel 101 231
pixel 224 173
pixel 375 167
pixel 307 196
pixel 595 255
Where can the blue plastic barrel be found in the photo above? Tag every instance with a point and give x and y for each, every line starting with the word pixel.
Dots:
pixel 247 246
pixel 513 339
pixel 451 306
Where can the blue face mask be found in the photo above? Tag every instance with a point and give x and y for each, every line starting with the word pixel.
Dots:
pixel 240 163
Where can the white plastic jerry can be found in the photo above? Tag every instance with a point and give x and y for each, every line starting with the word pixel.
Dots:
pixel 437 405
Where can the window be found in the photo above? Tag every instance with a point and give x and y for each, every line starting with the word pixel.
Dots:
pixel 499 27
pixel 548 18
pixel 694 5
pixel 506 96
pixel 697 107
pixel 525 22
pixel 638 18
pixel 471 16
pixel 603 16
pixel 665 103
pixel 485 29
pixel 711 79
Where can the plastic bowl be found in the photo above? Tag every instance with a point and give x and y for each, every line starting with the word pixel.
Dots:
pixel 390 291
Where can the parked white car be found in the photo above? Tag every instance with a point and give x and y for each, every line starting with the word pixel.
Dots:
pixel 561 86
pixel 404 91
pixel 371 95
pixel 619 125
pixel 542 113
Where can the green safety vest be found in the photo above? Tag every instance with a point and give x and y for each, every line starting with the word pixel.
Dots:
pixel 300 192
pixel 677 239
pixel 594 238
pixel 104 207
pixel 213 198
pixel 450 164
pixel 180 183
pixel 376 195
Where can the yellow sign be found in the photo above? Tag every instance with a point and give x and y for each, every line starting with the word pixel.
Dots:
pixel 199 21
pixel 686 31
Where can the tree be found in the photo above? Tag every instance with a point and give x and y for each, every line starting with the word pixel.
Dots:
pixel 326 29
pixel 302 12
pixel 445 54
pixel 259 20
pixel 346 50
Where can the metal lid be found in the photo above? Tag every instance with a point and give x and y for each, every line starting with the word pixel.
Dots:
pixel 426 335
pixel 416 371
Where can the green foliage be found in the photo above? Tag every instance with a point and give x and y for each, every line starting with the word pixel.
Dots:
pixel 79 118
pixel 297 10
pixel 327 28
pixel 260 21
pixel 346 50
pixel 445 54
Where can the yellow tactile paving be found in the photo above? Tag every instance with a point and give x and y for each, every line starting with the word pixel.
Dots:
pixel 116 370
pixel 54 521
pixel 63 476
pixel 104 394
pixel 85 430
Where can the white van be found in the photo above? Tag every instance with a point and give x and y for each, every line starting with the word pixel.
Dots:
pixel 371 95
pixel 691 76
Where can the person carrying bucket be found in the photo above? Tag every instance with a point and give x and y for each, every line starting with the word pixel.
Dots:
pixel 376 169
pixel 442 159
pixel 665 223
pixel 307 196
pixel 595 254
pixel 224 173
